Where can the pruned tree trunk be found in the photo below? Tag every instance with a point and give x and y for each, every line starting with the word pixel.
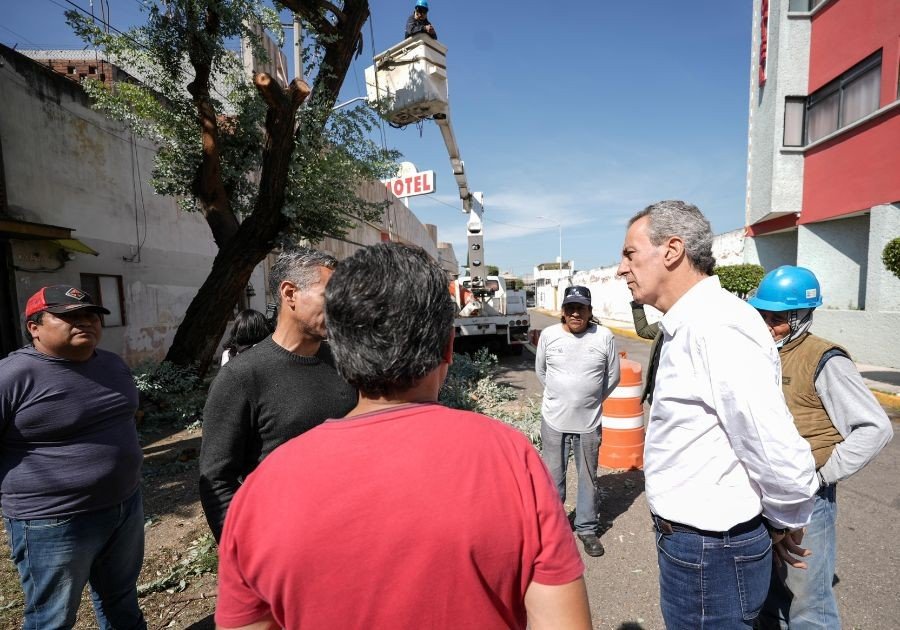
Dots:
pixel 243 246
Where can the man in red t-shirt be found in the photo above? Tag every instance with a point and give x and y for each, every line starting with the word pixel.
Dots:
pixel 404 513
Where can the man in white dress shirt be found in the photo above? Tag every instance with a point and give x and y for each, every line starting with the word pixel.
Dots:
pixel 723 462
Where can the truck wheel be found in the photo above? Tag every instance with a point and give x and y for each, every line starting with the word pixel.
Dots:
pixel 515 349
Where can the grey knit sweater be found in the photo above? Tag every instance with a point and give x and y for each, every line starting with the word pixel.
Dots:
pixel 259 400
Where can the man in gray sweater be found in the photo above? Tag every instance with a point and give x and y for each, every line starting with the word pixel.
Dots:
pixel 577 363
pixel 284 386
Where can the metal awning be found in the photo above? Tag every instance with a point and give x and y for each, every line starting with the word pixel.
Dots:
pixel 28 231
pixel 74 245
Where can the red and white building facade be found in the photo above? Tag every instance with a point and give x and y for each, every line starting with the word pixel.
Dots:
pixel 823 174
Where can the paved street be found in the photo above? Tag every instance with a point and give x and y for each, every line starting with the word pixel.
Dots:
pixel 623 584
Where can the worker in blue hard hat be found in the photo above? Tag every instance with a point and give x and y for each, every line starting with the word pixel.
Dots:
pixel 418 21
pixel 845 427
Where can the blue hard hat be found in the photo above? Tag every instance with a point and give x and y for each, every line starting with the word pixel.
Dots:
pixel 787 288
pixel 422 4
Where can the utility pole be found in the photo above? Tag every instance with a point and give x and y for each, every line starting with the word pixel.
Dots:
pixel 298 48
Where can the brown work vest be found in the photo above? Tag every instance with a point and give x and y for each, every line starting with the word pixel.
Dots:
pixel 799 361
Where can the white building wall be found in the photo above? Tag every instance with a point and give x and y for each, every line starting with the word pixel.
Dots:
pixel 550 285
pixel 774 174
pixel 837 252
pixel 69 166
pixel 862 299
pixel 882 286
pixel 867 334
pixel 772 250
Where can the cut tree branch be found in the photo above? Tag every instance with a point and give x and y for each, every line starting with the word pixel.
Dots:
pixel 208 185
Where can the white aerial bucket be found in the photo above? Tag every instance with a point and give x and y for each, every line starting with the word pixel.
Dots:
pixel 409 80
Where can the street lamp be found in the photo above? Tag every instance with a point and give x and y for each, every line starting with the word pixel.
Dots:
pixel 556 297
pixel 559 226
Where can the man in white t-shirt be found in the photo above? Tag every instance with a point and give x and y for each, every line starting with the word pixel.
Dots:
pixel 577 363
pixel 723 461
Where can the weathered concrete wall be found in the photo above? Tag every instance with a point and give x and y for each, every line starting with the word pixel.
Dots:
pixel 846 256
pixel 68 165
pixel 728 248
pixel 772 250
pixel 837 252
pixel 398 223
pixel 882 286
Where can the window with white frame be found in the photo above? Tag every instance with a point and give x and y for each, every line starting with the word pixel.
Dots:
pixel 794 110
pixel 804 6
pixel 107 292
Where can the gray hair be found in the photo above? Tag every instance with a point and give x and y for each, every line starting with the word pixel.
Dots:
pixel 677 218
pixel 299 265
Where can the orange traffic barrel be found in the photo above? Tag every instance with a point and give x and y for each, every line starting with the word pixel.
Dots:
pixel 622 443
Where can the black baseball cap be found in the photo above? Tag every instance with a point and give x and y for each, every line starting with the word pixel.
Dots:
pixel 61 298
pixel 577 294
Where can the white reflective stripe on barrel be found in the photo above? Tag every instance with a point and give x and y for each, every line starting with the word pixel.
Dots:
pixel 634 391
pixel 635 422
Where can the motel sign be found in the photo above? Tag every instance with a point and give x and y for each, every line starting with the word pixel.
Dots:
pixel 411 184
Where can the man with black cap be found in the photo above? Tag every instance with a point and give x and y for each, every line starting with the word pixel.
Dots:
pixel 70 466
pixel 578 365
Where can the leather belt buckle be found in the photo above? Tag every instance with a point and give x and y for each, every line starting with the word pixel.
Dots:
pixel 664 526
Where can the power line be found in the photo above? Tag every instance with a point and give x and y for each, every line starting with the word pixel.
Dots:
pixel 17 35
pixel 102 21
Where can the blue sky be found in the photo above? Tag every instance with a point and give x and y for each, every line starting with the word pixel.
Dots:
pixel 583 115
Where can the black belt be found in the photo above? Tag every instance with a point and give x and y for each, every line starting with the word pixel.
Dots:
pixel 668 527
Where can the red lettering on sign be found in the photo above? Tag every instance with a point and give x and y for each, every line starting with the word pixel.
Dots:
pixel 398 188
pixel 428 187
pixel 417 184
pixel 763 40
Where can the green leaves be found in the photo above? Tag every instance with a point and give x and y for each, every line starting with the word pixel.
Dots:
pixel 890 256
pixel 333 155
pixel 470 386
pixel 740 279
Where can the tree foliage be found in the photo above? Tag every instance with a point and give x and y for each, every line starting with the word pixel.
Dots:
pixel 740 279
pixel 232 147
pixel 890 256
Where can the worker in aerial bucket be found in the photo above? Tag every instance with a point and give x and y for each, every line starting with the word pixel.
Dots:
pixel 418 21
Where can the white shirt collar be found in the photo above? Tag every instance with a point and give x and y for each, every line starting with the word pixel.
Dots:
pixel 696 298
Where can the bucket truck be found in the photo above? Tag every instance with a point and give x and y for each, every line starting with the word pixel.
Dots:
pixel 408 84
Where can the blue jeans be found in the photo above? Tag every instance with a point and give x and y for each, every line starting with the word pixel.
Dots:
pixel 56 557
pixel 713 582
pixel 804 600
pixel 586 446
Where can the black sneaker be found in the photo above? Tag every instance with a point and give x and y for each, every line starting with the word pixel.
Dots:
pixel 592 545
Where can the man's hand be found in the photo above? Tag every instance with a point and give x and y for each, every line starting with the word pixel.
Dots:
pixel 788 550
pixel 429 29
